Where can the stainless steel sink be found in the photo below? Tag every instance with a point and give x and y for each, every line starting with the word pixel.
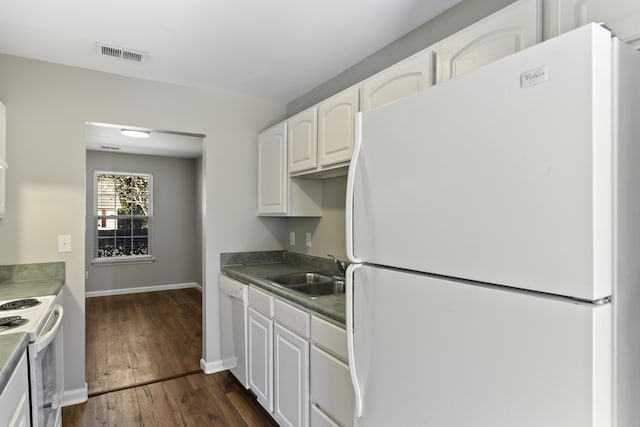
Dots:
pixel 296 279
pixel 313 284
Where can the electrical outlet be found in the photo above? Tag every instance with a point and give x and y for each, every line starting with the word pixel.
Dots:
pixel 292 238
pixel 308 240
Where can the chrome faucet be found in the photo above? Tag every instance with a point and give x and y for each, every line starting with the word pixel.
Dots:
pixel 342 266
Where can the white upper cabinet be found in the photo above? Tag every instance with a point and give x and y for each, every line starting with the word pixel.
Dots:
pixel 623 16
pixel 336 127
pixel 278 194
pixel 402 79
pixel 303 137
pixel 272 170
pixel 507 31
pixel 321 139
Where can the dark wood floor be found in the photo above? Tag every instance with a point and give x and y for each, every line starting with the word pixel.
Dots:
pixel 143 357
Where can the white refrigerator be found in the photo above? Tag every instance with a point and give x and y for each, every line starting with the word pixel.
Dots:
pixel 493 225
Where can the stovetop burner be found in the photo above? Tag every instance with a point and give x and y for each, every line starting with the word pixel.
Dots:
pixel 5 320
pixel 19 303
pixel 11 322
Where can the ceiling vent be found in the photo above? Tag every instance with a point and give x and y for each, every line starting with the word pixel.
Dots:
pixel 108 147
pixel 119 52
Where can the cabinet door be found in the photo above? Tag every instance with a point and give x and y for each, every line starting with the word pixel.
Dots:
pixel 331 388
pixel 303 141
pixel 14 399
pixel 623 16
pixel 407 77
pixel 507 31
pixel 260 358
pixel 336 127
pixel 3 158
pixel 291 378
pixel 272 170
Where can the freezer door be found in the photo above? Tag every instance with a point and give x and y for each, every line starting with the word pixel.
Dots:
pixel 502 175
pixel 432 352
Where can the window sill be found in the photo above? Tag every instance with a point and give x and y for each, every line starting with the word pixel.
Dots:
pixel 123 260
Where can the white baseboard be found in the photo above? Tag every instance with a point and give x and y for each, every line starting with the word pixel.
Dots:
pixel 217 365
pixel 140 289
pixel 73 397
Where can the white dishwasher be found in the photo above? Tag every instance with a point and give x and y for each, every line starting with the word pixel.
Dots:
pixel 234 302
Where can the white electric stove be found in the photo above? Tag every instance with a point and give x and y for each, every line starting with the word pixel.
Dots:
pixel 41 319
pixel 26 315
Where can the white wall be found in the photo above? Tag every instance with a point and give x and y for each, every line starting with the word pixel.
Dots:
pixel 175 246
pixel 47 108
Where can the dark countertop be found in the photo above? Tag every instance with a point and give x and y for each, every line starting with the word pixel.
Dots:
pixel 331 306
pixel 12 345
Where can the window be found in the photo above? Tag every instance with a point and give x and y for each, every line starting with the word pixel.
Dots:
pixel 123 214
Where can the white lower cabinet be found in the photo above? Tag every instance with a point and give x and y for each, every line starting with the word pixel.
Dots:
pixel 14 400
pixel 320 419
pixel 260 329
pixel 298 364
pixel 332 396
pixel 291 378
pixel 3 160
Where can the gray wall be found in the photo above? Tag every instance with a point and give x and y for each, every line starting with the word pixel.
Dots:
pixel 440 27
pixel 328 232
pixel 174 242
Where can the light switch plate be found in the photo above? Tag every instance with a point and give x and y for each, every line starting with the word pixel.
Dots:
pixel 64 243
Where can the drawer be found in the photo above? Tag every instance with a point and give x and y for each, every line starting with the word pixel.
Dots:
pixel 261 301
pixel 331 388
pixel 292 317
pixel 320 419
pixel 330 337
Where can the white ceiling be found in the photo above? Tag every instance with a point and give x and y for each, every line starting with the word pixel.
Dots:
pixel 274 48
pixel 107 137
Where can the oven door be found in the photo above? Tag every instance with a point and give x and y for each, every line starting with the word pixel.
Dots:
pixel 46 368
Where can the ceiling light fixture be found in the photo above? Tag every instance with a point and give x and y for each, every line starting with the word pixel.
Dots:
pixel 135 133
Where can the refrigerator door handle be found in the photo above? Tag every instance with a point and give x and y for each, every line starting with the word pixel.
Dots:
pixel 350 350
pixel 350 189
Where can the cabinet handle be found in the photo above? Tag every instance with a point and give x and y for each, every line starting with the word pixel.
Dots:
pixel 351 175
pixel 434 68
pixel 350 349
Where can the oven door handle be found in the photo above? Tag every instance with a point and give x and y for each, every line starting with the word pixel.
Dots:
pixel 44 340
